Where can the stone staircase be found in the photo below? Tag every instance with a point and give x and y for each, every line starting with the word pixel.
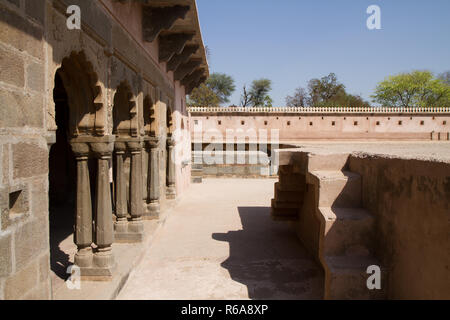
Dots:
pixel 346 229
pixel 288 194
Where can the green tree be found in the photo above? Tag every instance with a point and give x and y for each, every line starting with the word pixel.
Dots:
pixel 203 96
pixel 414 89
pixel 259 93
pixel 324 92
pixel 222 85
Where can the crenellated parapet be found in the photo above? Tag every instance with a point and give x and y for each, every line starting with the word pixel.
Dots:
pixel 322 110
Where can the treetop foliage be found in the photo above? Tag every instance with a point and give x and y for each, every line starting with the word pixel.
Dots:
pixel 414 89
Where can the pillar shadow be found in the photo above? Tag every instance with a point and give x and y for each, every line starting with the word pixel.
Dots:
pixel 61 227
pixel 268 258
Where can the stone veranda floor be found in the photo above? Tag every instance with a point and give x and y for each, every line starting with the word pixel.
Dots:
pixel 219 242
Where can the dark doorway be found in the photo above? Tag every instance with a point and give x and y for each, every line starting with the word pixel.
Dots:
pixel 62 183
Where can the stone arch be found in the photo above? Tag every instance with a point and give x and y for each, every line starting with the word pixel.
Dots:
pixel 125 122
pixel 84 90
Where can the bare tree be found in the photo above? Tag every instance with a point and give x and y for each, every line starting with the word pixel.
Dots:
pixel 299 99
pixel 245 98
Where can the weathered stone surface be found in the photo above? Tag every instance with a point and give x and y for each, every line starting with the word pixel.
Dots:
pixel 19 110
pixel 12 70
pixel 22 281
pixel 20 33
pixel 30 240
pixel 36 10
pixel 40 292
pixel 38 200
pixel 35 77
pixel 5 254
pixel 44 267
pixel 29 160
pixel 15 2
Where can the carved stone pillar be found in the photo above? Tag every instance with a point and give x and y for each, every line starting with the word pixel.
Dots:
pixel 121 224
pixel 153 186
pixel 98 263
pixel 104 230
pixel 136 209
pixel 171 189
pixel 83 210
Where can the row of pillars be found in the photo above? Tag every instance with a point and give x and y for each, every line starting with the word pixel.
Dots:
pixel 95 228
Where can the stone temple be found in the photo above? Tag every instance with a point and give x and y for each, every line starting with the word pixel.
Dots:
pixel 107 188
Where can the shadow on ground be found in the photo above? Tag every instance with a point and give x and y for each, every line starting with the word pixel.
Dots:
pixel 268 258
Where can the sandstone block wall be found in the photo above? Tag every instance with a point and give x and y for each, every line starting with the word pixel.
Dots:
pixel 24 241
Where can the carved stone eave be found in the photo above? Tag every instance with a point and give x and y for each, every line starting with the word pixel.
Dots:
pixel 157 19
pixel 192 78
pixel 186 69
pixel 183 57
pixel 162 18
pixel 172 44
pixel 195 84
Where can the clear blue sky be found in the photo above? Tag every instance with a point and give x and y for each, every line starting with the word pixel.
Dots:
pixel 292 41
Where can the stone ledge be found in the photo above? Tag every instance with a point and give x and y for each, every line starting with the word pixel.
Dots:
pixel 127 256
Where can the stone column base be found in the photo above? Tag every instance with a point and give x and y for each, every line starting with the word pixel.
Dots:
pixel 152 211
pixel 171 193
pixel 97 267
pixel 129 233
pixel 97 273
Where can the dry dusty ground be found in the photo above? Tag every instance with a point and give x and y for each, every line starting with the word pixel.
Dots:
pixel 219 242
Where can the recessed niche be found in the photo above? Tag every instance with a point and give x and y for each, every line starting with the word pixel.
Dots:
pixel 333 123
pixel 355 123
pixel 310 123
pixel 242 122
pixel 219 122
pixel 400 123
pixel 378 123
pixel 265 123
pixel 17 202
pixel 422 123
pixel 288 123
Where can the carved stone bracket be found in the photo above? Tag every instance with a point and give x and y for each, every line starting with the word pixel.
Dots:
pixel 157 19
pixel 186 69
pixel 183 57
pixel 193 77
pixel 172 44
pixel 194 85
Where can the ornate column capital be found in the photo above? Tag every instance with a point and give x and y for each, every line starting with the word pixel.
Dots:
pixel 80 149
pixel 170 141
pixel 152 142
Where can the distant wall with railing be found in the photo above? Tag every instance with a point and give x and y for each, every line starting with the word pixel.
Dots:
pixel 319 123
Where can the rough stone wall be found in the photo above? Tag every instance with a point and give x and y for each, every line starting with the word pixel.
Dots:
pixel 24 241
pixel 34 40
pixel 411 203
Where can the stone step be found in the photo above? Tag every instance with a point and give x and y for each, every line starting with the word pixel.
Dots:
pixel 346 278
pixel 285 204
pixel 292 182
pixel 285 195
pixel 283 214
pixel 337 188
pixel 321 162
pixel 346 228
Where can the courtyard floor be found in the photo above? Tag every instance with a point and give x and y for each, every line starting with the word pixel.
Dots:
pixel 219 242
